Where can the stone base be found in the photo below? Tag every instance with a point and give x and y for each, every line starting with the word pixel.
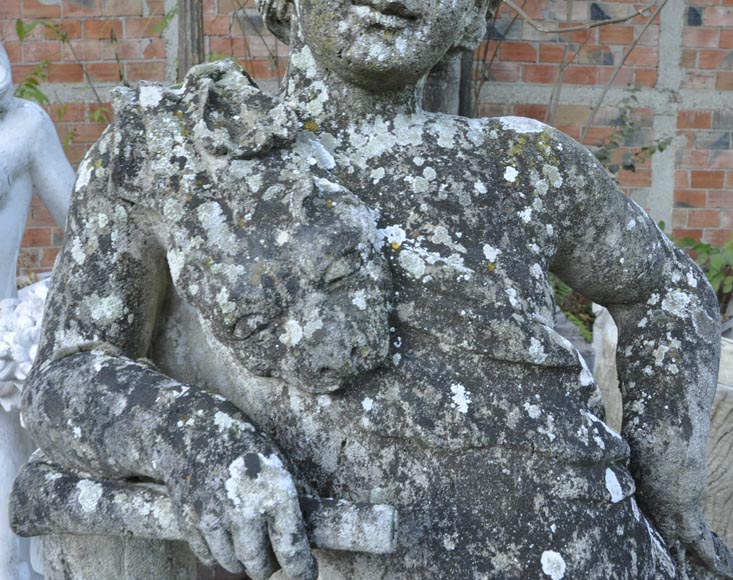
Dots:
pixel 115 558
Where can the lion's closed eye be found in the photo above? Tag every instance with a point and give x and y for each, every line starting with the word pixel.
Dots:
pixel 248 325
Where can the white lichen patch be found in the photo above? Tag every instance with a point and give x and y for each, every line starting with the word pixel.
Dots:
pixel 90 492
pixel 176 261
pixel 377 174
pixel 552 174
pixel 691 280
pixel 676 302
pixel 553 564
pixel 313 323
pixel 521 125
pixel 461 398
pixel 532 410
pixel 586 377
pixel 84 174
pixel 150 96
pixel 412 263
pixel 212 218
pixel 512 296
pixel 510 174
pixel 537 352
pixel 105 309
pixel 443 237
pixel 293 333
pixel 659 353
pixel 359 300
pixel 367 404
pixel 77 252
pixel 222 299
pixel 282 237
pixel 613 486
pixel 393 235
pixel 525 215
pixel 491 253
pixel 223 421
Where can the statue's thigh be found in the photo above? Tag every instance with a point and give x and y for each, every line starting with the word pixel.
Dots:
pixel 116 558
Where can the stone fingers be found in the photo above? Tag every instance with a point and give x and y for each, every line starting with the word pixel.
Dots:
pixel 220 544
pixel 194 537
pixel 290 542
pixel 253 549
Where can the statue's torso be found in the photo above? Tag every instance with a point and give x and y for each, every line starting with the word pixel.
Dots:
pixel 480 409
pixel 468 234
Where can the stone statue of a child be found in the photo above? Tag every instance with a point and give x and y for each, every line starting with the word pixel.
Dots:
pixel 394 348
pixel 31 159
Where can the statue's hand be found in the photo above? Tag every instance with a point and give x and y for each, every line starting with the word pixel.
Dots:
pixel 695 546
pixel 239 507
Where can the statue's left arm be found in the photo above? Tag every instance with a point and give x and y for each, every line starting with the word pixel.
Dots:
pixel 668 347
pixel 52 175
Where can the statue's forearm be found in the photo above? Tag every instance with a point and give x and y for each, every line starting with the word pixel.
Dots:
pixel 667 361
pixel 115 417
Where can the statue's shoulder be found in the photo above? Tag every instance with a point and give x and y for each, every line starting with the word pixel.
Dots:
pixel 528 137
pixel 30 116
pixel 219 111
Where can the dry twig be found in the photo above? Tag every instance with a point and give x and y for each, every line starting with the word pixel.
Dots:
pixel 534 24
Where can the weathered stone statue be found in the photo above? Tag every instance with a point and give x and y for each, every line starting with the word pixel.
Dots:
pixel 337 294
pixel 31 158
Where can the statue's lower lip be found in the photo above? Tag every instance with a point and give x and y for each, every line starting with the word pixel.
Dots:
pixel 376 18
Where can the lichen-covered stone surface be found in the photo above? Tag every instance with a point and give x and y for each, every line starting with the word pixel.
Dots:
pixel 335 293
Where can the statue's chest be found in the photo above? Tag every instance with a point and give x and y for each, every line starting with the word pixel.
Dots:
pixel 454 229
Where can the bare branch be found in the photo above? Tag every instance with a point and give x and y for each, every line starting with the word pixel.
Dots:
pixel 620 65
pixel 537 26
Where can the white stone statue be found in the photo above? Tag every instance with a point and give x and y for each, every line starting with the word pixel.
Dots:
pixel 31 159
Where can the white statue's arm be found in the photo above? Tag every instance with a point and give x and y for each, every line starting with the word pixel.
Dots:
pixel 668 348
pixel 52 175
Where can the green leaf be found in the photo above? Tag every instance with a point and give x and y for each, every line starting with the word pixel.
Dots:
pixel 716 281
pixel 716 262
pixel 23 30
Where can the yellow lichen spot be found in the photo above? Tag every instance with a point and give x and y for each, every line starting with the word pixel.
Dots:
pixel 396 246
pixel 179 114
pixel 329 203
pixel 98 164
pixel 516 148
pixel 491 266
pixel 311 126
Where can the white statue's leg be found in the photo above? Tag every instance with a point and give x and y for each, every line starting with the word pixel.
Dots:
pixel 14 551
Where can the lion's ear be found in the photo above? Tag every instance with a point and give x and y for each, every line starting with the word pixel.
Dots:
pixel 277 15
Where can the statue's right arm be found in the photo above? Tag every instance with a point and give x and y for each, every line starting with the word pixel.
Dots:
pixel 95 405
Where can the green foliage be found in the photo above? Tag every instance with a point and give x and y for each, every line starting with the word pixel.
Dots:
pixel 166 21
pixel 577 308
pixel 626 129
pixel 30 87
pixel 100 115
pixel 23 30
pixel 717 263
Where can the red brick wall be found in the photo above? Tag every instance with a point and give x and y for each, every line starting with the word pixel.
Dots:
pixel 698 170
